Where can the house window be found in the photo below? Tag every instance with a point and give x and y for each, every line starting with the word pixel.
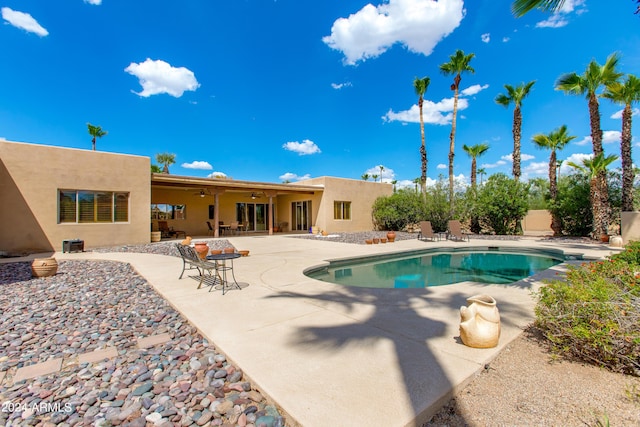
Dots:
pixel 341 210
pixel 163 211
pixel 79 206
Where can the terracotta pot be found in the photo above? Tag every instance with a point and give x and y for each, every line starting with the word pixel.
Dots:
pixel 202 249
pixel 228 250
pixel 324 233
pixel 480 322
pixel 604 238
pixel 215 252
pixel 244 253
pixel 383 240
pixel 391 236
pixel 368 241
pixel 376 240
pixel 44 267
pixel 187 241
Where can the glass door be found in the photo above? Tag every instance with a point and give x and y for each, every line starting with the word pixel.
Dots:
pixel 253 216
pixel 301 215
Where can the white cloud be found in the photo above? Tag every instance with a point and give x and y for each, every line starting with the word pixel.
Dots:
pixel 558 19
pixel 197 165
pixel 472 90
pixel 608 137
pixel 584 141
pixel 611 136
pixel 523 157
pixel 341 85
pixel 493 165
pixel 505 39
pixel 302 148
pixel 94 2
pixel 24 21
pixel 536 168
pixel 416 24
pixel 158 77
pixel 388 175
pixel 554 21
pixel 576 158
pixel 439 113
pixel 289 176
pixel 486 37
pixel 441 166
pixel 618 114
pixel 217 175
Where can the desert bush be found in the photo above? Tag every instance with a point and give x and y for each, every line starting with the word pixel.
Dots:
pixel 395 212
pixel 501 203
pixel 594 313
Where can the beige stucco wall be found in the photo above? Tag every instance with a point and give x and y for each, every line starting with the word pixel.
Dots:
pixel 361 194
pixel 537 222
pixel 30 176
pixel 630 226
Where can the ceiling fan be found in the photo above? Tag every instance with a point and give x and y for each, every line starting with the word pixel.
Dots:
pixel 255 196
pixel 202 193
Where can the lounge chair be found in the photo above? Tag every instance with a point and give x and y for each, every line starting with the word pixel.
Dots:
pixel 191 260
pixel 426 231
pixel 169 232
pixel 455 231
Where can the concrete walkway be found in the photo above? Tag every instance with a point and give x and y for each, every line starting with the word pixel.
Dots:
pixel 332 355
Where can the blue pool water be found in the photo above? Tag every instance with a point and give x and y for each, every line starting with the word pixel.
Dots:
pixel 436 269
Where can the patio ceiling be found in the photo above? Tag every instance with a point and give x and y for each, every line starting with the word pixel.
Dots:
pixel 160 180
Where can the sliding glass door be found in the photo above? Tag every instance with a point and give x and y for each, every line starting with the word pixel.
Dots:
pixel 253 216
pixel 301 215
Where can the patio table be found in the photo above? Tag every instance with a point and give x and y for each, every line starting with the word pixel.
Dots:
pixel 222 267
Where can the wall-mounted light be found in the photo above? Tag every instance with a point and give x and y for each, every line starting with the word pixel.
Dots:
pixel 201 193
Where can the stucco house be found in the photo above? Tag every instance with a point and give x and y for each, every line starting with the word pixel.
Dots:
pixel 52 194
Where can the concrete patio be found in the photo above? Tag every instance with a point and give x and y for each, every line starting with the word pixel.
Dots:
pixel 331 355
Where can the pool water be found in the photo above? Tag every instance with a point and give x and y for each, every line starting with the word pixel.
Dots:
pixel 436 269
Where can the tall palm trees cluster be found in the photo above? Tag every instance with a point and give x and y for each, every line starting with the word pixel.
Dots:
pixel 598 81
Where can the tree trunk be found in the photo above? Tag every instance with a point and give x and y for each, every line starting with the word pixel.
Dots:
pixel 600 221
pixel 517 127
pixel 452 138
pixel 423 152
pixel 556 222
pixel 628 174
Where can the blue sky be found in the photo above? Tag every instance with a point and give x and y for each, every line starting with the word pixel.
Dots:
pixel 266 90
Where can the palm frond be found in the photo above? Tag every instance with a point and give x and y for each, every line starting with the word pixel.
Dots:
pixel 520 7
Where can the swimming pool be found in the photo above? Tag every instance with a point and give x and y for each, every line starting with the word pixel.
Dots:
pixel 437 267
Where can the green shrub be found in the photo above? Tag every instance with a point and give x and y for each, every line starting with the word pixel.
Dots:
pixel 594 314
pixel 395 212
pixel 501 203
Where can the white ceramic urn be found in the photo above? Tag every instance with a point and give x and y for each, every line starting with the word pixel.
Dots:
pixel 480 322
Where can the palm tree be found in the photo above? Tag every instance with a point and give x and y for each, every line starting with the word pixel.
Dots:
pixel 521 7
pixel 596 168
pixel 458 64
pixel 625 93
pixel 420 86
pixel 481 172
pixel 156 169
pixel 515 95
pixel 416 181
pixel 375 177
pixel 588 84
pixel 365 177
pixel 381 170
pixel 555 140
pixel 95 132
pixel 165 159
pixel 475 151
